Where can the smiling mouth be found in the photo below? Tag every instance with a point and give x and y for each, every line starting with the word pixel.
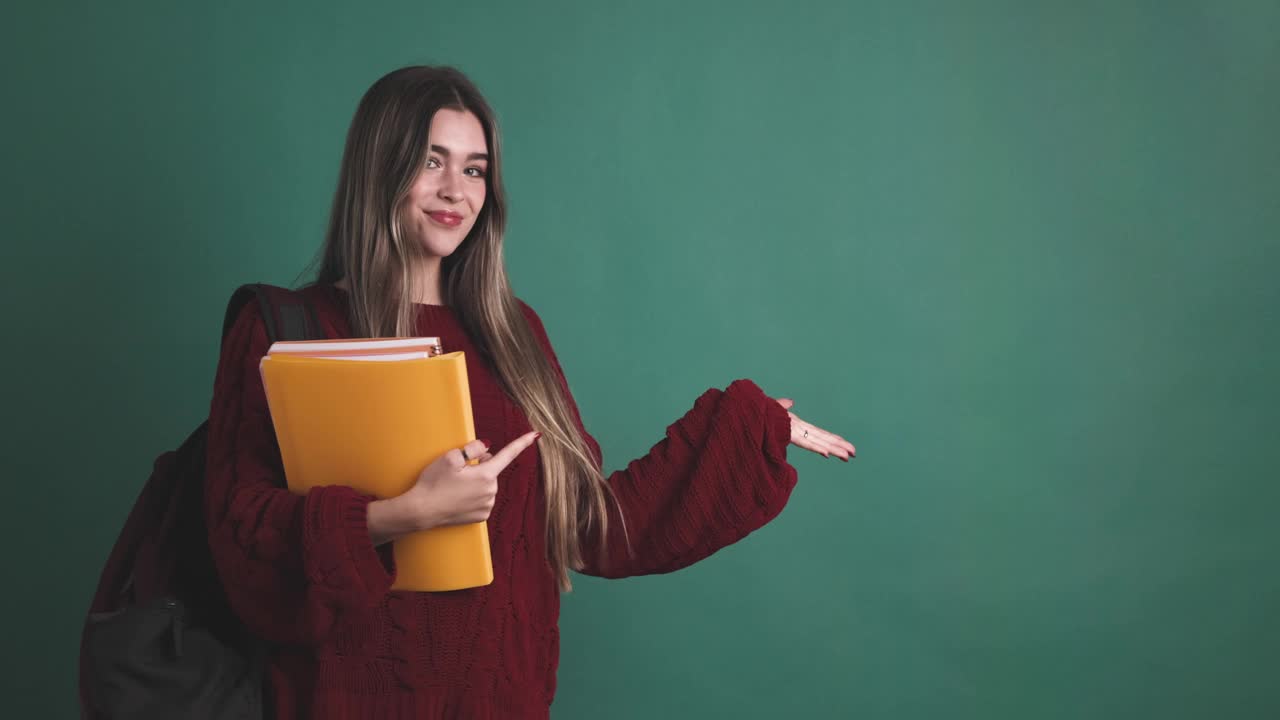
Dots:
pixel 446 218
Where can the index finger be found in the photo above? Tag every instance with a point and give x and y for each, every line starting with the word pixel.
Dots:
pixel 503 457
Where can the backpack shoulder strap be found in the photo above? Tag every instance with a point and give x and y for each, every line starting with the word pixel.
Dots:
pixel 288 314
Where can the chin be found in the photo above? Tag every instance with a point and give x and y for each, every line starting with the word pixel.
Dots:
pixel 439 249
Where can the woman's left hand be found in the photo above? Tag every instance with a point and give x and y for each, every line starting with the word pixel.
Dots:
pixel 812 437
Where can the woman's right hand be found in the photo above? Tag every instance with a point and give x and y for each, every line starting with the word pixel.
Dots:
pixel 449 491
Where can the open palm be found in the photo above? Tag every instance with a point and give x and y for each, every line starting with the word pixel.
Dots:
pixel 811 437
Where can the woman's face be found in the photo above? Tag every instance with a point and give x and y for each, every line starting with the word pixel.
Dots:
pixel 449 191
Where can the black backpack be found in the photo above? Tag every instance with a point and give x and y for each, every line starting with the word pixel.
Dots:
pixel 160 640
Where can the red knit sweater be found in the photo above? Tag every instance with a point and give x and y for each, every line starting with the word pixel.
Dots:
pixel 302 572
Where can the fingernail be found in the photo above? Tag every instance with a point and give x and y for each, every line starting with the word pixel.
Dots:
pixel 536 436
pixel 486 443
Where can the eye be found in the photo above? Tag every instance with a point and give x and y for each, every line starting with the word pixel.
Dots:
pixel 479 171
pixel 433 160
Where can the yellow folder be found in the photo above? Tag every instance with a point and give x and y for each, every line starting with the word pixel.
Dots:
pixel 374 426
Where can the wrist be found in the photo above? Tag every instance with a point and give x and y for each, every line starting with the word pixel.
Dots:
pixel 418 510
pixel 392 518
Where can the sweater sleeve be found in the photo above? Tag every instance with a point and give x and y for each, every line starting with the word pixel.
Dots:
pixel 290 564
pixel 719 473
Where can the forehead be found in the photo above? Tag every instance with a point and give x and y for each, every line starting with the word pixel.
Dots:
pixel 458 130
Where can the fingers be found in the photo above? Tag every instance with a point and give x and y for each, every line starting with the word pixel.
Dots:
pixel 812 437
pixel 828 450
pixel 817 439
pixel 833 440
pixel 475 450
pixel 823 436
pixel 501 459
pixel 469 454
pixel 820 447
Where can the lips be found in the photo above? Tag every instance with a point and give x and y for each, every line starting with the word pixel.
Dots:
pixel 448 219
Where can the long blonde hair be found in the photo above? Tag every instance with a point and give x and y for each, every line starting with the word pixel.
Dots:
pixel 385 147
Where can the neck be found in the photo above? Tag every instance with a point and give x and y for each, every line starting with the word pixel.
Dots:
pixel 427 282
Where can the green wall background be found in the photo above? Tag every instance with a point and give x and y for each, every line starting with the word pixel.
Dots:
pixel 1023 255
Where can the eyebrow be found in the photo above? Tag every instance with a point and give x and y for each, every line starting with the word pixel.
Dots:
pixel 445 152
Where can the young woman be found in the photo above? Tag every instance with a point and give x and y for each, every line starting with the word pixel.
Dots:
pixel 414 247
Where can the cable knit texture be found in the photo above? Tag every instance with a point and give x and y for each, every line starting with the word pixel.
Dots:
pixel 302 572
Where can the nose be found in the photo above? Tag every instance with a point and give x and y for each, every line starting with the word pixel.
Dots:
pixel 450 189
